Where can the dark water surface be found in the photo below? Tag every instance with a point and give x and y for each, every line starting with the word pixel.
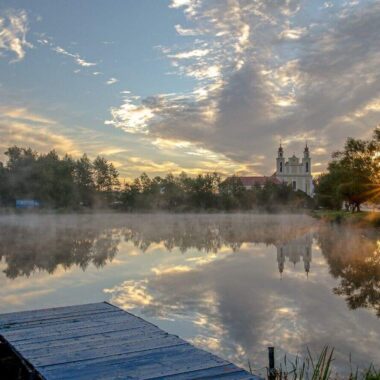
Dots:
pixel 232 284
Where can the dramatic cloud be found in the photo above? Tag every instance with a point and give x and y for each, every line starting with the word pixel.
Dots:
pixel 267 70
pixel 13 29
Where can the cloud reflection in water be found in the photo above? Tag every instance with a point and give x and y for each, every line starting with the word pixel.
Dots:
pixel 216 280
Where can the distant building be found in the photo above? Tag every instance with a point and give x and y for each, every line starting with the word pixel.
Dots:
pixel 251 182
pixel 294 172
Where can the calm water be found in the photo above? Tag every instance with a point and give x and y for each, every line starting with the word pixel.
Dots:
pixel 232 284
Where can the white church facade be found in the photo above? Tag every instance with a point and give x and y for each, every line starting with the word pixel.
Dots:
pixel 293 171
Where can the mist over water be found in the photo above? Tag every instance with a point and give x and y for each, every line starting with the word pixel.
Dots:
pixel 232 284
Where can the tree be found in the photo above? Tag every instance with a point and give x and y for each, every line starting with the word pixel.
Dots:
pixel 173 194
pixel 232 193
pixel 106 179
pixel 54 181
pixel 353 176
pixel 83 173
pixel 204 189
pixel 54 177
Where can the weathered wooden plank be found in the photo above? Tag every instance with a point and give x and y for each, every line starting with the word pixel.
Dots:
pixel 17 317
pixel 69 326
pixel 107 351
pixel 85 342
pixel 84 331
pixel 229 371
pixel 60 321
pixel 141 365
pixel 224 372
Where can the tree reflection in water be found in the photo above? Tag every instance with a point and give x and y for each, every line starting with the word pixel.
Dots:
pixel 32 243
pixel 353 257
pixel 50 242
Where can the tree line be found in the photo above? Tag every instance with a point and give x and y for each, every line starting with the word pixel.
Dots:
pixel 64 182
pixel 56 182
pixel 352 177
pixel 208 192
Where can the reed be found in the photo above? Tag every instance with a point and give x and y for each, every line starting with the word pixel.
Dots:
pixel 320 368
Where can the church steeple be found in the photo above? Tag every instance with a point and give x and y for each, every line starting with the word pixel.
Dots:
pixel 280 160
pixel 306 152
pixel 280 151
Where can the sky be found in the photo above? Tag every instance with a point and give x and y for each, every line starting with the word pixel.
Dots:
pixel 163 86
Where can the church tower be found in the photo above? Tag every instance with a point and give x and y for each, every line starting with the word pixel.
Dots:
pixel 306 166
pixel 306 160
pixel 280 161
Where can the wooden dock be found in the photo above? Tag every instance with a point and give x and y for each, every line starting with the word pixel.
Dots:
pixel 101 341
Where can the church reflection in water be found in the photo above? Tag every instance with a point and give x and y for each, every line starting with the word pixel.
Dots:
pixel 294 251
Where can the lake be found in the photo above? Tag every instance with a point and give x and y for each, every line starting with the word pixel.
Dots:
pixel 231 284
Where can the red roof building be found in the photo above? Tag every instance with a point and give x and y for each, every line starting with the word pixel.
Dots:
pixel 250 182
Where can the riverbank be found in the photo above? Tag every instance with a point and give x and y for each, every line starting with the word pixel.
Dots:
pixel 359 219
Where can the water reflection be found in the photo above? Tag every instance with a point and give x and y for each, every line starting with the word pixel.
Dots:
pixel 231 283
pixel 28 248
pixel 28 244
pixel 294 250
pixel 353 258
pixel 33 243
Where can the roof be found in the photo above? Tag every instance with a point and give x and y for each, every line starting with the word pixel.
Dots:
pixel 259 180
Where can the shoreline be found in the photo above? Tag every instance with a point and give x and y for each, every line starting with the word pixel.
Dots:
pixel 362 219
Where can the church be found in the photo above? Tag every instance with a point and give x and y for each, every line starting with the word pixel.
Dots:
pixel 295 172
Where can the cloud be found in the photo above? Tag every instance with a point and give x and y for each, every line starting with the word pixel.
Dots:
pixel 23 114
pixel 267 70
pixel 190 54
pixel 48 41
pixel 185 32
pixel 131 117
pixel 112 81
pixel 19 126
pixel 13 30
pixel 292 34
pixel 77 59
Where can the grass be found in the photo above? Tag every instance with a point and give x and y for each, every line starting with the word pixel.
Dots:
pixel 361 219
pixel 319 368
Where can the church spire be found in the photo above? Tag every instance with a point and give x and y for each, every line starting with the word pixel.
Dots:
pixel 306 150
pixel 280 150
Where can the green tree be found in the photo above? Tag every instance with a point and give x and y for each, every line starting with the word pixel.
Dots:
pixel 55 185
pixel 22 173
pixel 83 174
pixel 353 176
pixel 232 193
pixel 106 179
pixel 204 189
